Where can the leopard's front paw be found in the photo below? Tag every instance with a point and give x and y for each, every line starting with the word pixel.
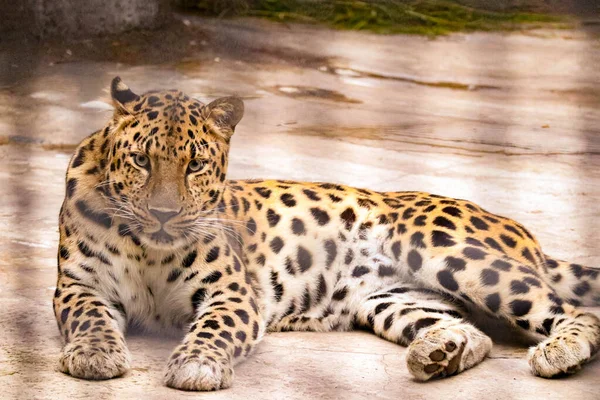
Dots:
pixel 95 361
pixel 198 372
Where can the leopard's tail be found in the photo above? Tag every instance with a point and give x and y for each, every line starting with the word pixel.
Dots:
pixel 577 284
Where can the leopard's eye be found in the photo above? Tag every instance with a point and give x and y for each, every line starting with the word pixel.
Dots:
pixel 195 166
pixel 142 160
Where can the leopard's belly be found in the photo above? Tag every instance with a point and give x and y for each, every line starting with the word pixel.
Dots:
pixel 311 282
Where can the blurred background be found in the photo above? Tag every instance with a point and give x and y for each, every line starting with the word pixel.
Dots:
pixel 494 101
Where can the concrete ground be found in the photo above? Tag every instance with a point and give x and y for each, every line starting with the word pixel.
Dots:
pixel 511 121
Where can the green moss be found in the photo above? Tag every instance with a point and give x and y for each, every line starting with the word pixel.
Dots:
pixel 425 17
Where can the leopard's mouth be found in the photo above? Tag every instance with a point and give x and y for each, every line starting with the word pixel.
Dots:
pixel 161 236
pixel 162 239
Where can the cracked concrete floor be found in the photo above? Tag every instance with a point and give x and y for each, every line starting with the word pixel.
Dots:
pixel 510 121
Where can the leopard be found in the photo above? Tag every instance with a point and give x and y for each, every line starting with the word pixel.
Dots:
pixel 153 235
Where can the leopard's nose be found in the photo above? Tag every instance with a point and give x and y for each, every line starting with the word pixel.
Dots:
pixel 163 214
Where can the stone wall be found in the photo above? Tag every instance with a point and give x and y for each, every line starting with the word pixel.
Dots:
pixel 80 18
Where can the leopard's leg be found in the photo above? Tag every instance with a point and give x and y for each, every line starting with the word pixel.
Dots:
pixel 516 292
pixel 440 343
pixel 92 328
pixel 227 327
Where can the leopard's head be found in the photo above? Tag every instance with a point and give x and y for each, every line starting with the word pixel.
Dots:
pixel 167 163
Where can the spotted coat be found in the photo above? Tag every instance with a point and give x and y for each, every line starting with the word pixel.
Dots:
pixel 153 234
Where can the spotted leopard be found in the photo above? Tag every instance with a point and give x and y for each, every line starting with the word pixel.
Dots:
pixel 153 234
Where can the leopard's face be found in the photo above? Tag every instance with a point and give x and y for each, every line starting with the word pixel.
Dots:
pixel 167 165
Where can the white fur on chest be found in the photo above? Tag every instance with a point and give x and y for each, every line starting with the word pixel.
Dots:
pixel 149 300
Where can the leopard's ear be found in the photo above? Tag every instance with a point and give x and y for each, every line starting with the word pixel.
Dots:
pixel 222 115
pixel 122 97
